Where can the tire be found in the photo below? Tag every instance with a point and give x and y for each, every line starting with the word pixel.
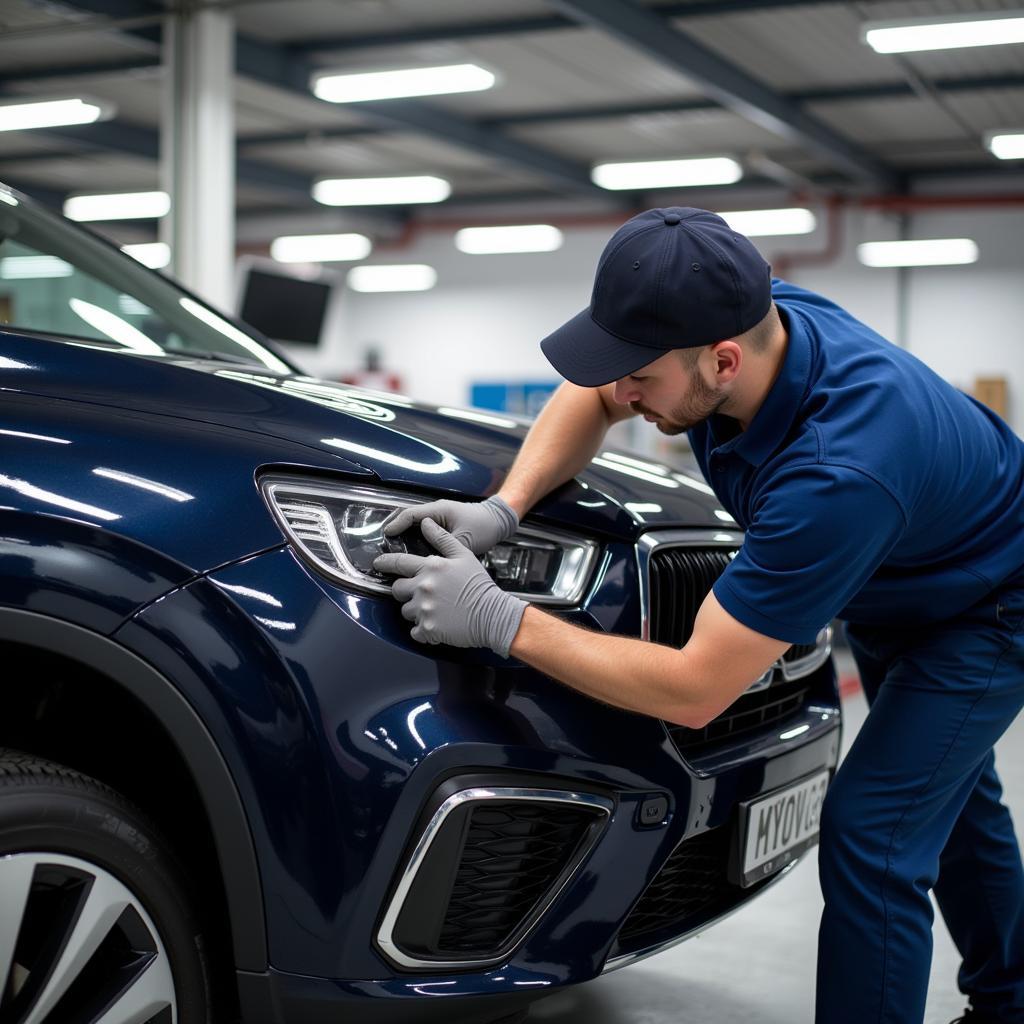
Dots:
pixel 95 922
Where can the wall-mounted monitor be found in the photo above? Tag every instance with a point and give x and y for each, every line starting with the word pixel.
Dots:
pixel 281 303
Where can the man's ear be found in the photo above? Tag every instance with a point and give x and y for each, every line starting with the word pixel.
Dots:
pixel 728 358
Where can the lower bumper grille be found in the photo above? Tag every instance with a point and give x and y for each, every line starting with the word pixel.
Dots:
pixel 690 887
pixel 487 865
pixel 512 853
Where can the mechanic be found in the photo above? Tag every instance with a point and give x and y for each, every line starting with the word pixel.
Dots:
pixel 869 489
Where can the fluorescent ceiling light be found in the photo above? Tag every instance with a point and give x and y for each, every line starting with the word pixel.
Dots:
pixel 405 277
pixel 514 238
pixel 647 174
pixel 119 206
pixel 929 252
pixel 790 221
pixel 381 191
pixel 6 197
pixel 1006 145
pixel 48 114
pixel 31 268
pixel 320 248
pixel 915 34
pixel 150 254
pixel 389 85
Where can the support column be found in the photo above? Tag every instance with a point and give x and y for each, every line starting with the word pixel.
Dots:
pixel 197 143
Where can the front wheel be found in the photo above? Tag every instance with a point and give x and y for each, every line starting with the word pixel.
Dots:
pixel 95 924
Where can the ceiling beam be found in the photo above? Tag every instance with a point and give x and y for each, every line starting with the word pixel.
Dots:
pixel 822 94
pixel 50 73
pixel 523 26
pixel 37 155
pixel 724 82
pixel 138 141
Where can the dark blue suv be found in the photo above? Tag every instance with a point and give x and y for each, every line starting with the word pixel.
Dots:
pixel 231 784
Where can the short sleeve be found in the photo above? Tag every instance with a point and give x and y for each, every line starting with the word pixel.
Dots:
pixel 816 536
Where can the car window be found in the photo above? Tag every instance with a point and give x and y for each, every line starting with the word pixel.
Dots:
pixel 58 279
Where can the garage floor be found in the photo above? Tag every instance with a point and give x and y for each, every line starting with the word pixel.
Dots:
pixel 759 964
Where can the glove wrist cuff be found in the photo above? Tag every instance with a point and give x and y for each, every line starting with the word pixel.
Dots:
pixel 507 616
pixel 505 514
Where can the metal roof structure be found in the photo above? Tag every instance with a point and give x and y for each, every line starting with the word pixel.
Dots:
pixel 787 87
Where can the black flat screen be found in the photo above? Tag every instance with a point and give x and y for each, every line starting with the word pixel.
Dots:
pixel 285 308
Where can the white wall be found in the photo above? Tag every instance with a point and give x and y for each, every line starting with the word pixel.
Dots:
pixel 487 314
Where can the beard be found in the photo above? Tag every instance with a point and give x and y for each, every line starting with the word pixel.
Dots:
pixel 699 403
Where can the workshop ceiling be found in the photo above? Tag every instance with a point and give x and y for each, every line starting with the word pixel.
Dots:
pixel 579 81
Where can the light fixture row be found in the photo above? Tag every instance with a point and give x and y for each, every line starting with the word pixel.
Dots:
pixel 410 190
pixel 636 175
pixel 517 238
pixel 418 277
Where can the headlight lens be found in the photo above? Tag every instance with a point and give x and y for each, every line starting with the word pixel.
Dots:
pixel 338 528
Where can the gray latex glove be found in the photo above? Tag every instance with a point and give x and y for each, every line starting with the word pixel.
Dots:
pixel 450 597
pixel 478 524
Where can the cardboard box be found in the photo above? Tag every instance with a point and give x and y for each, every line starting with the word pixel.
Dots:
pixel 993 392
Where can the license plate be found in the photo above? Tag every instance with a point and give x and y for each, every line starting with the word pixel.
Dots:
pixel 775 829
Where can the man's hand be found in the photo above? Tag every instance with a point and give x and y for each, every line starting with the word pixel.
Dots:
pixel 450 597
pixel 477 524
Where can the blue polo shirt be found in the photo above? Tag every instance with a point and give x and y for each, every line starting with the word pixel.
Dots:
pixel 869 488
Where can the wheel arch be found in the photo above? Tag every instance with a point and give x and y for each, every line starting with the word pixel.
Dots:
pixel 194 748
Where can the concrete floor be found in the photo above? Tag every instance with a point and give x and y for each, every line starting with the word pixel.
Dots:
pixel 759 964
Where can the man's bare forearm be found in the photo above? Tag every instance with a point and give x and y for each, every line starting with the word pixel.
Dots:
pixel 560 444
pixel 621 671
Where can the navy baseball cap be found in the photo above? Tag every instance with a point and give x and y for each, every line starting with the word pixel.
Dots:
pixel 669 278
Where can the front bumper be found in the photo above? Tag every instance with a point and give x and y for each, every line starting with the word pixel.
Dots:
pixel 340 730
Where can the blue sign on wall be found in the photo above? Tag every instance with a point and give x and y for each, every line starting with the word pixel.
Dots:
pixel 521 398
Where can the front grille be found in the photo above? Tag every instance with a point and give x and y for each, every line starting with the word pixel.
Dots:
pixel 798 651
pixel 690 887
pixel 751 714
pixel 679 579
pixel 512 853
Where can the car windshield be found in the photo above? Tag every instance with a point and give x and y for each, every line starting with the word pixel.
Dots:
pixel 59 280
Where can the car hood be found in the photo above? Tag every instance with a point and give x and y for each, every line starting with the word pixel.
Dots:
pixel 435 449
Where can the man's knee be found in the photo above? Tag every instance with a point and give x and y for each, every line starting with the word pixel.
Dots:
pixel 847 843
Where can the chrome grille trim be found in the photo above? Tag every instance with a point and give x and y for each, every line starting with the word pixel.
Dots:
pixel 385 934
pixel 725 539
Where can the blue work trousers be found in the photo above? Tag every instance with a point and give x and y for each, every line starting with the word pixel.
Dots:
pixel 914 807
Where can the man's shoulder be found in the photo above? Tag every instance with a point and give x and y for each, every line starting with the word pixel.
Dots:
pixel 785 292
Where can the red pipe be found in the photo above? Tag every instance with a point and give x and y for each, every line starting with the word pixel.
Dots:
pixel 782 263
pixel 911 204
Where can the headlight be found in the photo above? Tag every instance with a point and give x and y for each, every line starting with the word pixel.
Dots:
pixel 338 529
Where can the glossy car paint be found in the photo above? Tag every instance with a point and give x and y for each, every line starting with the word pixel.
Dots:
pixel 129 506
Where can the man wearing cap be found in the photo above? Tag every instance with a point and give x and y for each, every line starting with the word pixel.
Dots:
pixel 869 489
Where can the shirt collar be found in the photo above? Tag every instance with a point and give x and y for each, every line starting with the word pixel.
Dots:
pixel 772 421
